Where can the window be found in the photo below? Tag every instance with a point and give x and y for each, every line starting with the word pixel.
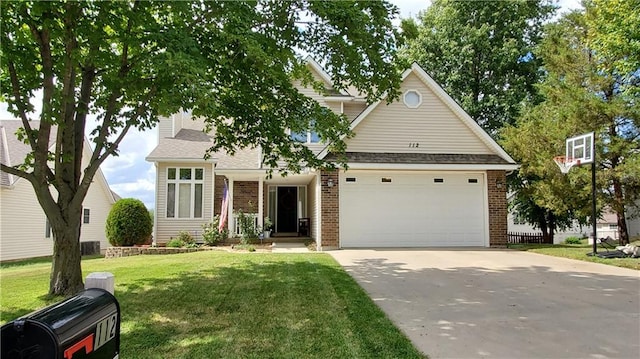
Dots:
pixel 306 136
pixel 86 215
pixel 613 226
pixel 185 188
pixel 412 98
pixel 47 228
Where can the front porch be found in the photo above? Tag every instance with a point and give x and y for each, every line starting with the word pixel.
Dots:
pixel 288 204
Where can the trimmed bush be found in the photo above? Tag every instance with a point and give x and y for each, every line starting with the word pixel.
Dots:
pixel 128 223
pixel 573 240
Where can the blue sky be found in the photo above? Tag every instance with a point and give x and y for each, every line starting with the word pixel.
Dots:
pixel 130 175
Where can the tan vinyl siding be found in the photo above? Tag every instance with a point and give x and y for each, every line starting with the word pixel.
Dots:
pixel 336 107
pixel 191 123
pixel 169 227
pixel 353 109
pixel 22 224
pixel 392 128
pixel 310 92
pixel 165 127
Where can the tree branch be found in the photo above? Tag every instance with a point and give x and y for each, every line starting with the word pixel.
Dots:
pixel 15 85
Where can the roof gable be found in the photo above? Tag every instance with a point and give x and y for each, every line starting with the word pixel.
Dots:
pixel 15 151
pixel 437 125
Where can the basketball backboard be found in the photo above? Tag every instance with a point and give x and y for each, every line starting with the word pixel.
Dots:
pixel 580 149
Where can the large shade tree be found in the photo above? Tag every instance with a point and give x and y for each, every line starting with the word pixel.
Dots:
pixel 127 62
pixel 592 83
pixel 481 52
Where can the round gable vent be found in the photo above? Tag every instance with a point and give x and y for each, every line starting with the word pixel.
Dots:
pixel 412 98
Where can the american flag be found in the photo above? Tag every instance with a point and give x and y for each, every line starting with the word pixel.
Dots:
pixel 225 207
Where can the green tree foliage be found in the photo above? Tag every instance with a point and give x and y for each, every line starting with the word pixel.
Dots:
pixel 128 223
pixel 481 52
pixel 589 86
pixel 127 62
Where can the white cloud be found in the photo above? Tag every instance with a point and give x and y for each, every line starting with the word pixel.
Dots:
pixel 127 188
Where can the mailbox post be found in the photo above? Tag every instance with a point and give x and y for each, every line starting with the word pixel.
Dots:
pixel 84 326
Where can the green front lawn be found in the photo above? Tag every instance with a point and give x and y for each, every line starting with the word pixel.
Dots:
pixel 229 305
pixel 579 251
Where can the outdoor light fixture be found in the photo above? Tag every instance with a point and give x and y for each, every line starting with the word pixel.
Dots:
pixel 330 182
pixel 499 183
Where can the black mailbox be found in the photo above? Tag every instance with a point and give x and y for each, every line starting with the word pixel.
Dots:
pixel 84 326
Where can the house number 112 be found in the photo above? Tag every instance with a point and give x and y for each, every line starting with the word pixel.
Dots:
pixel 414 145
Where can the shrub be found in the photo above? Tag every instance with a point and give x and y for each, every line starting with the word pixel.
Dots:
pixel 572 240
pixel 175 243
pixel 186 237
pixel 210 234
pixel 128 223
pixel 248 230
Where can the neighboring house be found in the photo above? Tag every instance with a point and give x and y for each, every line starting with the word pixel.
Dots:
pixel 606 226
pixel 24 229
pixel 515 224
pixel 421 173
pixel 633 221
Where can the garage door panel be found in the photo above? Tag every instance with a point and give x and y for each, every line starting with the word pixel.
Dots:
pixel 412 210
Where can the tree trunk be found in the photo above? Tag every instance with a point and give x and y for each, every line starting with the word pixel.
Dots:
pixel 552 228
pixel 619 208
pixel 66 272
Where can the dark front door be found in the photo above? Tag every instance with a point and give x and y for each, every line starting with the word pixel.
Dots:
pixel 287 209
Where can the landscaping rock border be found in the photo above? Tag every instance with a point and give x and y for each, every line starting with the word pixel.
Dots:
pixel 118 252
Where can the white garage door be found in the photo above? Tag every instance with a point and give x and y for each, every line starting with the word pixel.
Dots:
pixel 394 209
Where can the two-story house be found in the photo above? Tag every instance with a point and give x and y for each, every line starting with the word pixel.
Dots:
pixel 421 173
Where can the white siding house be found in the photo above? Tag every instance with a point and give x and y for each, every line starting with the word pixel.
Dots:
pixel 24 231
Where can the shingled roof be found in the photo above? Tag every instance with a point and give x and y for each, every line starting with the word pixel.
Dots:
pixel 13 151
pixel 420 158
pixel 189 144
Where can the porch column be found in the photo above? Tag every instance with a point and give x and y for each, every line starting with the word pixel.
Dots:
pixel 230 216
pixel 261 202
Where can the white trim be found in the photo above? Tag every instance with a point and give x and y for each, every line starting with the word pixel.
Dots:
pixel 180 159
pixel 323 74
pixel 230 217
pixel 447 100
pixel 261 203
pixel 339 99
pixel 404 98
pixel 429 166
pixel 473 125
pixel 155 215
pixel 5 146
pixel 192 182
pixel 318 236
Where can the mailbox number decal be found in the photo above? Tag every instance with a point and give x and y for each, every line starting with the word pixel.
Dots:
pixel 105 331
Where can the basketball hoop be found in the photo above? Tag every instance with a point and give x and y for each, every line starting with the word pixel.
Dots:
pixel 565 163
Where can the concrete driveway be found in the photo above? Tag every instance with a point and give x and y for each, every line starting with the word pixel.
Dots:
pixel 502 303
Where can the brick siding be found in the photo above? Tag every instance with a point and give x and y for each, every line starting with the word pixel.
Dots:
pixel 330 212
pixel 497 190
pixel 243 192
